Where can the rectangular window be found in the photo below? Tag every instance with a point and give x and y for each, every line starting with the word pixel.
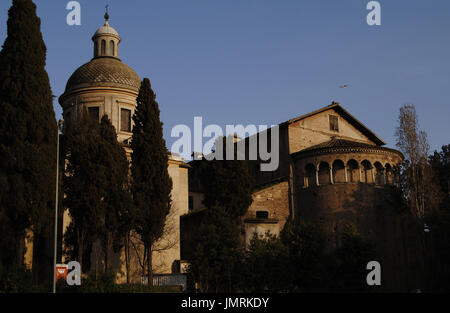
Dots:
pixel 68 120
pixel 94 113
pixel 334 126
pixel 191 203
pixel 262 214
pixel 125 120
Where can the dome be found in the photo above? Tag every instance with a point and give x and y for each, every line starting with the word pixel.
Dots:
pixel 106 30
pixel 104 72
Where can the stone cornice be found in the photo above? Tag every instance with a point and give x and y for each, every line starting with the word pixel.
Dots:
pixel 346 150
pixel 94 90
pixel 260 221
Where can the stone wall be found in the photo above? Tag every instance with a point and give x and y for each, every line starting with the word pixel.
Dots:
pixel 375 210
pixel 316 129
pixel 273 199
pixel 109 101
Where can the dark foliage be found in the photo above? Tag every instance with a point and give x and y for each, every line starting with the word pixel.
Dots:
pixel 439 223
pixel 83 184
pixel 306 244
pixel 96 187
pixel 301 261
pixel 228 184
pixel 266 266
pixel 151 183
pixel 352 257
pixel 217 252
pixel 18 279
pixel 440 161
pixel 28 136
pixel 117 209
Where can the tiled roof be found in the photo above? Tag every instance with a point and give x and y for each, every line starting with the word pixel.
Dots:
pixel 338 144
pixel 105 71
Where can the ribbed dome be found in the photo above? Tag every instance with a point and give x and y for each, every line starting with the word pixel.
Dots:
pixel 104 72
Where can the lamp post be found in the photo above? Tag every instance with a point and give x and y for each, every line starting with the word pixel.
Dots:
pixel 60 125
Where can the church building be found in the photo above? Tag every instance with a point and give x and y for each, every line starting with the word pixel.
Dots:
pixel 107 86
pixel 332 169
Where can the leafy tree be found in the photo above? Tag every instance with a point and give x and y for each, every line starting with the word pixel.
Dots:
pixel 352 256
pixel 228 188
pixel 439 222
pixel 440 161
pixel 419 185
pixel 227 183
pixel 217 252
pixel 151 183
pixel 267 267
pixel 28 134
pixel 18 279
pixel 306 243
pixel 417 176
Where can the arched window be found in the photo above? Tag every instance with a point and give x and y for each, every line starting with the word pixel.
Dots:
pixel 111 48
pixel 103 47
pixel 310 176
pixel 324 174
pixel 367 172
pixel 389 174
pixel 353 171
pixel 95 48
pixel 379 173
pixel 338 172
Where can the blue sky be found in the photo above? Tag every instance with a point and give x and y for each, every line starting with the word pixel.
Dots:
pixel 266 61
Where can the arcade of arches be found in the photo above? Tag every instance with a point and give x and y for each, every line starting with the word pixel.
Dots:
pixel 374 168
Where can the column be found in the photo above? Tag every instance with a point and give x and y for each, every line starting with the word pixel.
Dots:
pixel 331 175
pixel 345 173
pixel 317 177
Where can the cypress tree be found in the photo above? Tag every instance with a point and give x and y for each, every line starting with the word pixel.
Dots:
pixel 82 186
pixel 28 135
pixel 117 200
pixel 96 187
pixel 151 183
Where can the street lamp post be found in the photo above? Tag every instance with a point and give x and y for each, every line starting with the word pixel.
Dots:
pixel 60 124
